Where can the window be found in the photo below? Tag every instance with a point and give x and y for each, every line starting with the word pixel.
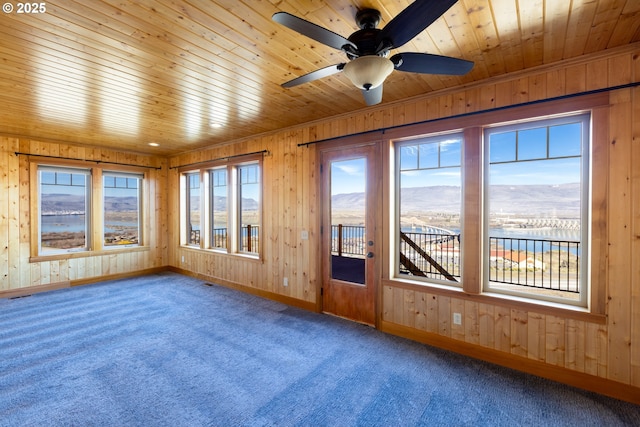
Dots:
pixel 536 209
pixel 230 211
pixel 193 209
pixel 219 215
pixel 84 209
pixel 64 195
pixel 429 208
pixel 122 208
pixel 248 207
pixel 506 206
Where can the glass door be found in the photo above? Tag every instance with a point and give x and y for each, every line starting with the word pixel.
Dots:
pixel 348 231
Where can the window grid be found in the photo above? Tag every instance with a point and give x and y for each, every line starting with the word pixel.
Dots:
pixel 429 242
pixel 219 221
pixel 64 224
pixel 193 209
pixel 538 254
pixel 231 205
pixel 122 207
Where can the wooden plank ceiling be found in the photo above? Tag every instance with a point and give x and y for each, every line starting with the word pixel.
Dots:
pixel 126 73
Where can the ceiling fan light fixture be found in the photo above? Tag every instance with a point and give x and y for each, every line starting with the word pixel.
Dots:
pixel 368 72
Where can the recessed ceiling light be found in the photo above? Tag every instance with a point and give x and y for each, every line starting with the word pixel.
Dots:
pixel 154 144
pixel 216 125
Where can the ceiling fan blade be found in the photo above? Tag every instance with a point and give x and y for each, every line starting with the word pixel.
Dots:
pixel 314 75
pixel 373 96
pixel 412 21
pixel 426 63
pixel 312 30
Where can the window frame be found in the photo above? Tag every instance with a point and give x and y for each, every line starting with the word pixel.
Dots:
pixel 585 120
pixel 140 194
pixel 187 226
pixel 211 229
pixel 237 202
pixel 436 138
pixel 87 172
pixel 95 208
pixel 472 125
pixel 233 240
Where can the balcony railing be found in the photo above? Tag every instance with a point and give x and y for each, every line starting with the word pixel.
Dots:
pixel 194 237
pixel 250 238
pixel 348 240
pixel 432 255
pixel 219 238
pixel 249 241
pixel 536 263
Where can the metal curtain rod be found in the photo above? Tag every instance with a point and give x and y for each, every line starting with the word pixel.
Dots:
pixel 18 153
pixel 219 158
pixel 473 113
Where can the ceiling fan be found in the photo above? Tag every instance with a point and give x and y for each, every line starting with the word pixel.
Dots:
pixel 368 48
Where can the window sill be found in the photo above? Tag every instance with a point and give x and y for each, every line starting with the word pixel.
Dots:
pixel 85 254
pixel 224 253
pixel 519 303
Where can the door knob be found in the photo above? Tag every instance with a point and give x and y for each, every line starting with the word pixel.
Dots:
pixel 369 254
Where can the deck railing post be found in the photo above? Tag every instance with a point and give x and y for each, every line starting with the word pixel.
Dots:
pixel 248 237
pixel 339 239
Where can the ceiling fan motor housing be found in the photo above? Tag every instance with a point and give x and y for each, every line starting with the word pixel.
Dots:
pixel 368 18
pixel 366 38
pixel 368 48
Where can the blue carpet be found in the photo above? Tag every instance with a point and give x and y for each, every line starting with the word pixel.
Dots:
pixel 166 350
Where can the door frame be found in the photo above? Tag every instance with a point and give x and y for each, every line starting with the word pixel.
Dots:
pixel 374 217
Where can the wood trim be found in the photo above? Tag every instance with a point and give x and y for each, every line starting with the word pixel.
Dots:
pixel 471 211
pixel 96 214
pixel 506 301
pixel 236 159
pixel 497 118
pixel 21 292
pixel 86 254
pixel 294 302
pixel 98 279
pixel 34 210
pixel 581 380
pixel 599 208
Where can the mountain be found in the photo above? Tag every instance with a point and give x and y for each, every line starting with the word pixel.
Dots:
pixel 561 200
pixel 61 203
pixel 65 203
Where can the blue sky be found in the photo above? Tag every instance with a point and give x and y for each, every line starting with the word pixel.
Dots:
pixel 563 143
pixel 348 176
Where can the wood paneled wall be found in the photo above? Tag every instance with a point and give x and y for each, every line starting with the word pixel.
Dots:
pixel 609 350
pixel 20 275
pixel 289 207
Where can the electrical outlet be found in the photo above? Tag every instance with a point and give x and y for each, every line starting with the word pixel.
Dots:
pixel 304 235
pixel 457 319
pixel 285 282
pixel 183 258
